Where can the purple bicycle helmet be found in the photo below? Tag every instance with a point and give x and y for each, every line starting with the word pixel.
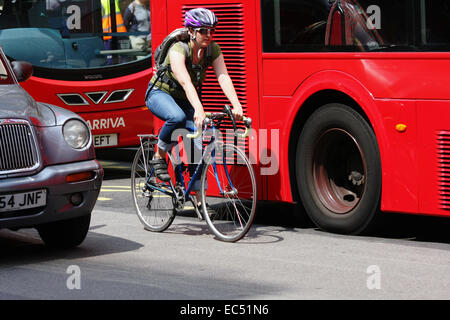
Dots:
pixel 200 17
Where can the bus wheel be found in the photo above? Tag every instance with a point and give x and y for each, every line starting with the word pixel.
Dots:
pixel 338 170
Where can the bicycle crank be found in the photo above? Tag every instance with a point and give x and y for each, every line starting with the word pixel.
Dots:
pixel 179 199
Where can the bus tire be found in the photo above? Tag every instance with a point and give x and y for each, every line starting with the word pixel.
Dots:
pixel 338 170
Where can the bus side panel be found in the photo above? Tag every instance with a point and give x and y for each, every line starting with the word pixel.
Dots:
pixel 400 165
pixel 159 22
pixel 401 75
pixel 274 111
pixel 407 75
pixel 397 150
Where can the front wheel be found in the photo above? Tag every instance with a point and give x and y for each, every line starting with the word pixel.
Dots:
pixel 228 195
pixel 338 170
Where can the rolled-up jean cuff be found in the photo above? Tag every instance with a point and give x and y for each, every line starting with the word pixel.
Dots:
pixel 165 146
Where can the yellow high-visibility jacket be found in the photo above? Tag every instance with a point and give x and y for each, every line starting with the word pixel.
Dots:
pixel 106 19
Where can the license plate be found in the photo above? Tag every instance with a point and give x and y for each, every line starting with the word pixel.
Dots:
pixel 105 140
pixel 25 200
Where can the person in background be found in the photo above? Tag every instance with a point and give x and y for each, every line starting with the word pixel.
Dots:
pixel 107 25
pixel 137 19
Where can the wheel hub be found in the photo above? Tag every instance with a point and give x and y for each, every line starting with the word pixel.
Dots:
pixel 339 173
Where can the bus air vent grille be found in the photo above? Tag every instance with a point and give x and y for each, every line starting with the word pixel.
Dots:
pixel 73 99
pixel 443 158
pixel 119 96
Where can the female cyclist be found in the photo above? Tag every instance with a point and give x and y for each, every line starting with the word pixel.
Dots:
pixel 174 97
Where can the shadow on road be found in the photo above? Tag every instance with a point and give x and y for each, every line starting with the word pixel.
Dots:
pixel 26 247
pixel 256 234
pixel 415 228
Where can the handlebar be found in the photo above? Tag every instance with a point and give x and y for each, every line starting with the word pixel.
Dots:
pixel 220 115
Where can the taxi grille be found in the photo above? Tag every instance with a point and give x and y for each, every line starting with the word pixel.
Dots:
pixel 17 147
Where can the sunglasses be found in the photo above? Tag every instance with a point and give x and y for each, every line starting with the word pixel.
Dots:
pixel 206 31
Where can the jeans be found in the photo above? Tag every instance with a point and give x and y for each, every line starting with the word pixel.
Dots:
pixel 177 114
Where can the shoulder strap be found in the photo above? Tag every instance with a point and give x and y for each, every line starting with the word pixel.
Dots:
pixel 186 49
pixel 161 51
pixel 208 55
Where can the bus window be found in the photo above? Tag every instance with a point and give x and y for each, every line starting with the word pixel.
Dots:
pixel 84 60
pixel 435 19
pixel 290 27
pixel 337 25
pixel 69 34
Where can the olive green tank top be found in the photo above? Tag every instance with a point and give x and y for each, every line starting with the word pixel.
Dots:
pixel 169 83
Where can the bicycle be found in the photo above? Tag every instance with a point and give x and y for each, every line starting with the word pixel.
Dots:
pixel 227 179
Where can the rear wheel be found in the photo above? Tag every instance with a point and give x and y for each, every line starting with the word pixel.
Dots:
pixel 338 170
pixel 154 207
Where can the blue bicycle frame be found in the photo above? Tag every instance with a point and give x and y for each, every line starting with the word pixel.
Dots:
pixel 198 170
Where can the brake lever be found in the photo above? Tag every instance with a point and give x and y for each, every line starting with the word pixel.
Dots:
pixel 227 110
pixel 248 125
pixel 198 133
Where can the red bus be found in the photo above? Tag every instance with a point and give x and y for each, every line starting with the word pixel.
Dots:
pixel 349 100
pixel 80 64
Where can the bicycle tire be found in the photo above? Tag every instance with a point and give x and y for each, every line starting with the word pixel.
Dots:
pixel 232 213
pixel 155 209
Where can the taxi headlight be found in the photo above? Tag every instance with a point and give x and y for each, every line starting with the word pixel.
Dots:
pixel 76 134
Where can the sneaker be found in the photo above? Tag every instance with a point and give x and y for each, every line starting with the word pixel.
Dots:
pixel 160 167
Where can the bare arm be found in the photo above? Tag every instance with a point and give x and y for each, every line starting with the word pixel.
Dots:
pixel 177 62
pixel 227 86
